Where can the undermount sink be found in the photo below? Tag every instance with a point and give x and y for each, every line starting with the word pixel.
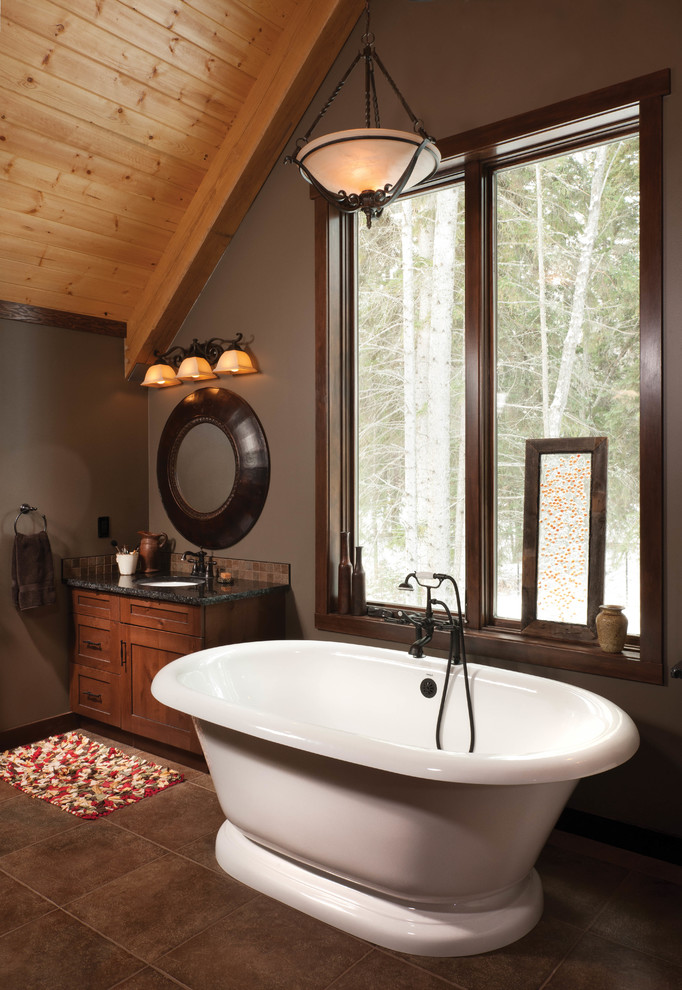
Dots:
pixel 169 581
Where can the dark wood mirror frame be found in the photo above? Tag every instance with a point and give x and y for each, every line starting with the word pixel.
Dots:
pixel 243 504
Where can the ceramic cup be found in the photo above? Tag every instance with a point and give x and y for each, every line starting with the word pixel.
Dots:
pixel 127 562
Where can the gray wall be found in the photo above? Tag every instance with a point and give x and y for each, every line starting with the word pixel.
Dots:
pixel 483 60
pixel 74 444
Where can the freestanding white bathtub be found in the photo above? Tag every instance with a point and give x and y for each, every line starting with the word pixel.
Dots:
pixel 339 804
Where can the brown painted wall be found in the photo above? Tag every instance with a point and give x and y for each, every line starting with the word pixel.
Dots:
pixel 483 60
pixel 74 444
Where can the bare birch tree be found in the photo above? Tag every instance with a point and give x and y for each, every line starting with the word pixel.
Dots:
pixel 404 218
pixel 574 333
pixel 542 300
pixel 434 465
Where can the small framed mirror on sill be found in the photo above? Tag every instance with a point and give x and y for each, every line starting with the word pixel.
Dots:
pixel 564 536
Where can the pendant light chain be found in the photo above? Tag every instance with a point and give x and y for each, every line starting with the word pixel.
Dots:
pixel 416 122
pixel 370 81
pixel 339 87
pixel 357 169
pixel 370 56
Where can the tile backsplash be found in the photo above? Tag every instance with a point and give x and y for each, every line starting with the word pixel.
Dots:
pixel 268 572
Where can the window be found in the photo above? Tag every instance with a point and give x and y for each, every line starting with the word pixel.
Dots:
pixel 504 303
pixel 566 342
pixel 411 391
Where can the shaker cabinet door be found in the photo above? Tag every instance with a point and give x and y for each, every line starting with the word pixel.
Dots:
pixel 146 651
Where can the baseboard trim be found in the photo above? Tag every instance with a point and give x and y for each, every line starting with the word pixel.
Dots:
pixel 644 841
pixel 33 731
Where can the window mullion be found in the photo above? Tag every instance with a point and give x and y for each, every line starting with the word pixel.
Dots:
pixel 651 373
pixel 475 348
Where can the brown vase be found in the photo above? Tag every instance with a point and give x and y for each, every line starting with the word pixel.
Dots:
pixel 612 627
pixel 150 544
pixel 359 596
pixel 345 575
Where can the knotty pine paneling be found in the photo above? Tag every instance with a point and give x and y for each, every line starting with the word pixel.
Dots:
pixel 112 116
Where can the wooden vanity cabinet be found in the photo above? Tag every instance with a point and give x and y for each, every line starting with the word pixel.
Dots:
pixel 96 658
pixel 120 643
pixel 149 640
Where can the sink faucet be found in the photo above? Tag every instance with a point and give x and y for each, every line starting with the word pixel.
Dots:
pixel 199 560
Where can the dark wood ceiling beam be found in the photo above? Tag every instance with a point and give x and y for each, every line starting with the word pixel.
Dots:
pixel 59 318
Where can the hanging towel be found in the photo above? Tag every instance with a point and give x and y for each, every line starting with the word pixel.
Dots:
pixel 32 571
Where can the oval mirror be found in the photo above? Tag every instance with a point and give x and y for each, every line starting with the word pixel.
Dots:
pixel 213 468
pixel 206 467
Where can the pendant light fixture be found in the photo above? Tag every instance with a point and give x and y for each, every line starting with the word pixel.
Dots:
pixel 366 168
pixel 199 362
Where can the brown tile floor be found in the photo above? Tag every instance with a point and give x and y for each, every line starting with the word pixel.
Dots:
pixel 137 901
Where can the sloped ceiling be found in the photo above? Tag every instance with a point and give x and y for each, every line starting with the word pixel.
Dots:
pixel 134 136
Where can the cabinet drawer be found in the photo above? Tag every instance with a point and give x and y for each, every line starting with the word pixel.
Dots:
pixel 94 603
pixel 168 616
pixel 96 693
pixel 97 643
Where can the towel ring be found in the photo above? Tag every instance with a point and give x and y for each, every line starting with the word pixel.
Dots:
pixel 24 510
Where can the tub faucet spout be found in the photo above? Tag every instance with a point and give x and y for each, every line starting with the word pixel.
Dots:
pixel 420 623
pixel 417 648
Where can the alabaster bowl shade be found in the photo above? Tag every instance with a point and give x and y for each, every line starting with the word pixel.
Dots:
pixel 194 369
pixel 367 158
pixel 160 376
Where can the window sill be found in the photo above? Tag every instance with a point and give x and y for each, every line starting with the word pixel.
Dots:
pixel 506 646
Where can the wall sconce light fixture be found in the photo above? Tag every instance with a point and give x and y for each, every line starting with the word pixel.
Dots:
pixel 366 168
pixel 198 362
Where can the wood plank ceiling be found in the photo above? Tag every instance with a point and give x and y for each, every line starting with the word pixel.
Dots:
pixel 134 136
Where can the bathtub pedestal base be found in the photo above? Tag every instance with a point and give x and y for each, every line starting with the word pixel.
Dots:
pixel 461 929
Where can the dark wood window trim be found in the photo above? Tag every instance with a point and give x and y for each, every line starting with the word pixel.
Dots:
pixel 609 111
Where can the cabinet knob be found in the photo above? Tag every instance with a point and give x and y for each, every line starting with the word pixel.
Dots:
pixel 93 697
pixel 92 645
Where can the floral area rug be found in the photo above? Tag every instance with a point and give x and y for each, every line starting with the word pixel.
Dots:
pixel 85 778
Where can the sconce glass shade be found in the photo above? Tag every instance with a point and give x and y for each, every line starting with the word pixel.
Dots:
pixel 234 362
pixel 194 369
pixel 160 376
pixel 367 158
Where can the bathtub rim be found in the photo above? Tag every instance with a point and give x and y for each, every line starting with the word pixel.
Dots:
pixel 611 748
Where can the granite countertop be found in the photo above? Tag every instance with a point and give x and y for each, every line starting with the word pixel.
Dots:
pixel 136 586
